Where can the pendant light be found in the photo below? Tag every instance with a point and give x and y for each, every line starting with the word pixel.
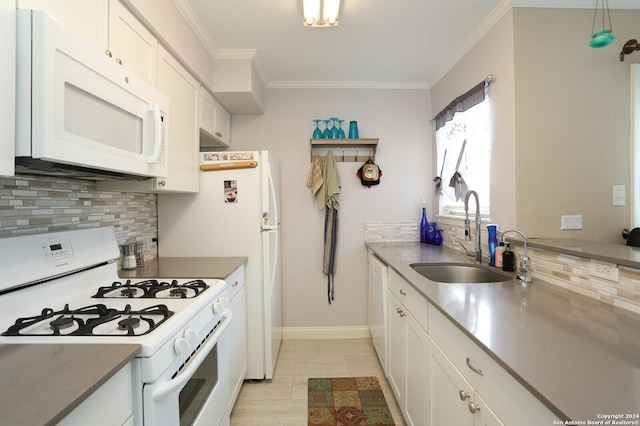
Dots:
pixel 604 37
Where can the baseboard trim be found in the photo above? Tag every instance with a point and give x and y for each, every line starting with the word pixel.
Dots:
pixel 313 333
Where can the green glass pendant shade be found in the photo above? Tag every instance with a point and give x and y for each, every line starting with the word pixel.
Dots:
pixel 602 38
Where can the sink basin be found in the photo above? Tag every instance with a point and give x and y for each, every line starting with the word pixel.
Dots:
pixel 466 273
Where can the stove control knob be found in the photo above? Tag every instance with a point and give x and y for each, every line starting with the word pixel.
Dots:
pixel 191 335
pixel 218 306
pixel 180 345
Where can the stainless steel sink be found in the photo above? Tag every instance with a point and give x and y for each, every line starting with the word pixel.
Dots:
pixel 466 273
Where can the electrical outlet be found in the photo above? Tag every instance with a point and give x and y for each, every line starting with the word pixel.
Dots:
pixel 571 221
pixel 606 270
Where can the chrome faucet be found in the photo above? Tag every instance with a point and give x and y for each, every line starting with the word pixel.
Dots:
pixel 524 274
pixel 477 254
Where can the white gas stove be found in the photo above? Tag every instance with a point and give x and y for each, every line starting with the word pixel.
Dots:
pixel 64 288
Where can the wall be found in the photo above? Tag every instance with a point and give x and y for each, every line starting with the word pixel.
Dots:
pixel 30 204
pixel 492 55
pixel 573 122
pixel 400 119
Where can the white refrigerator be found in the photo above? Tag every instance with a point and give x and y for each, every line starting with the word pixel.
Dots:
pixel 235 214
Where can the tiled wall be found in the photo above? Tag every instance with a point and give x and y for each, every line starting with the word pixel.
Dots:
pixel 569 272
pixel 30 204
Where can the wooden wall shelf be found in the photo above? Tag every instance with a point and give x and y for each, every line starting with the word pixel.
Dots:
pixel 354 150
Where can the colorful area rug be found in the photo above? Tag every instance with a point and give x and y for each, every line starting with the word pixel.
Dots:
pixel 347 401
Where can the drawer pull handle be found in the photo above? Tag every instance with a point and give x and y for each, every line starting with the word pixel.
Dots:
pixel 400 312
pixel 474 369
pixel 402 292
pixel 464 395
pixel 235 284
pixel 474 408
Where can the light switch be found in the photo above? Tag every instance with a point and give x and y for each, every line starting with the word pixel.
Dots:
pixel 619 197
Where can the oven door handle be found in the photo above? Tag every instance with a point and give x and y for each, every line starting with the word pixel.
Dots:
pixel 181 379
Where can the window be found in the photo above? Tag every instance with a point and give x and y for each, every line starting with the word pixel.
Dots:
pixel 463 140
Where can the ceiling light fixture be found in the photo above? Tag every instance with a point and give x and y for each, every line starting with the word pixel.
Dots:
pixel 605 37
pixel 320 13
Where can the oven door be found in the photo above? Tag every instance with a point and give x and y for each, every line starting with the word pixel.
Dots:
pixel 198 392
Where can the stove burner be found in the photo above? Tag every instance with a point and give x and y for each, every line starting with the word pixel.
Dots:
pixel 128 292
pixel 61 323
pixel 91 320
pixel 128 323
pixel 152 289
pixel 178 292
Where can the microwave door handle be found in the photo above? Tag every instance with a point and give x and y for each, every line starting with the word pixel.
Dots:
pixel 158 134
pixel 166 388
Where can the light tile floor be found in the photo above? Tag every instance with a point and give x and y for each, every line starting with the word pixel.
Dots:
pixel 282 401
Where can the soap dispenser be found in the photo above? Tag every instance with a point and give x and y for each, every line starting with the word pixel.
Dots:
pixel 508 259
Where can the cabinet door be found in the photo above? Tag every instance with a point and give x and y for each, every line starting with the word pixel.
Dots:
pixel 8 87
pixel 223 125
pixel 237 333
pixel 449 392
pixel 175 82
pixel 396 364
pixel 131 44
pixel 377 292
pixel 484 416
pixel 417 384
pixel 215 121
pixel 88 18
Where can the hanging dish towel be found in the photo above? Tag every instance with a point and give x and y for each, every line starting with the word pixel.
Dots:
pixel 457 181
pixel 315 177
pixel 327 198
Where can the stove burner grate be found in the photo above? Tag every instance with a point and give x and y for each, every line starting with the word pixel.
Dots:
pixel 152 289
pixel 88 319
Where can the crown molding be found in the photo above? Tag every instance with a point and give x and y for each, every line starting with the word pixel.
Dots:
pixel 385 85
pixel 196 25
pixel 575 4
pixel 496 14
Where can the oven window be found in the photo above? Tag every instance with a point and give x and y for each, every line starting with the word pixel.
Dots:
pixel 197 390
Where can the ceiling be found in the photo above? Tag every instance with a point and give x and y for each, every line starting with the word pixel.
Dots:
pixel 377 44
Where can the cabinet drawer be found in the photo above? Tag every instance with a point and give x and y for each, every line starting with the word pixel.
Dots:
pixel 510 400
pixel 235 282
pixel 415 302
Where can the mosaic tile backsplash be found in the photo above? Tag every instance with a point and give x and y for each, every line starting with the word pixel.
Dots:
pixel 31 204
pixel 568 272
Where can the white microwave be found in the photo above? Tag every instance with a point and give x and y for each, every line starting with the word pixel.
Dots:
pixel 78 112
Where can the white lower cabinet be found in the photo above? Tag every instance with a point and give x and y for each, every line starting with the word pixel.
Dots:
pixel 110 405
pixel 452 399
pixel 237 333
pixel 407 352
pixel 439 376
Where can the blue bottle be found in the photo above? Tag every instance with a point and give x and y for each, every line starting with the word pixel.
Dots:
pixel 493 243
pixel 424 226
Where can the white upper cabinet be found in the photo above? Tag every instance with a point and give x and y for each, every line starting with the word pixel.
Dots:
pixel 175 82
pixel 8 86
pixel 130 43
pixel 88 18
pixel 215 122
pixel 111 27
